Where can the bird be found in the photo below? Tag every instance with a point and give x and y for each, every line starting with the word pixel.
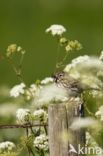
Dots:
pixel 73 87
pixel 64 80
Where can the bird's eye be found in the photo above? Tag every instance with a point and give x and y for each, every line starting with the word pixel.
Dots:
pixel 60 74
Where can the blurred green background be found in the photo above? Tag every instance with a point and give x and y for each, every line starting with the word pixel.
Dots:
pixel 24 22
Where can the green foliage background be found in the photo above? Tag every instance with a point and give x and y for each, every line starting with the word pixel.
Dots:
pixel 24 22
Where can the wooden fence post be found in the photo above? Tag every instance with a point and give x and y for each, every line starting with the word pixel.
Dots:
pixel 60 118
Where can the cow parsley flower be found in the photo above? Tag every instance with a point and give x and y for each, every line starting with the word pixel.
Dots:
pixel 14 48
pixel 85 63
pixel 73 45
pixel 99 113
pixel 47 80
pixel 77 61
pixel 31 91
pixel 97 94
pixel 41 142
pixel 17 90
pixel 51 93
pixel 23 116
pixel 6 146
pixel 11 49
pixel 41 115
pixel 83 123
pixel 33 87
pixel 87 70
pixel 56 29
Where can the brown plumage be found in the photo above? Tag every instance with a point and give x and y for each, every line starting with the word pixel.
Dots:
pixel 73 86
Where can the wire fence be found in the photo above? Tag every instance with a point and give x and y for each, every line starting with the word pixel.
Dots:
pixel 10 126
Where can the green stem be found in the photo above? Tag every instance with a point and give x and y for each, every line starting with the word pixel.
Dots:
pixel 20 65
pixel 89 112
pixel 21 60
pixel 17 71
pixel 65 57
pixel 57 56
pixel 42 153
pixel 45 128
pixel 85 106
pixel 32 131
pixel 31 151
pixel 27 134
pixel 61 63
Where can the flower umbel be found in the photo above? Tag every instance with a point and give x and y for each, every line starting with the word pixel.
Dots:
pixel 73 45
pixel 40 115
pixel 11 49
pixel 23 116
pixel 14 48
pixel 51 93
pixel 17 90
pixel 41 142
pixel 99 113
pixel 30 92
pixel 6 146
pixel 88 70
pixel 76 61
pixel 56 29
pixel 47 80
pixel 83 123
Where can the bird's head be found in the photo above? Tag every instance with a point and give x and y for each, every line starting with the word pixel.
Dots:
pixel 58 76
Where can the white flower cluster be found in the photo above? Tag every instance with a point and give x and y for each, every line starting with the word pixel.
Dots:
pixel 56 29
pixel 93 82
pixel 73 45
pixel 14 48
pixel 33 88
pixel 41 115
pixel 99 113
pixel 87 70
pixel 41 142
pixel 51 93
pixel 23 116
pixel 31 91
pixel 97 94
pixel 47 80
pixel 76 61
pixel 85 62
pixel 17 90
pixel 79 123
pixel 6 146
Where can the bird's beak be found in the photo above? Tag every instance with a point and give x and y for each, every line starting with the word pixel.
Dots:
pixel 54 77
